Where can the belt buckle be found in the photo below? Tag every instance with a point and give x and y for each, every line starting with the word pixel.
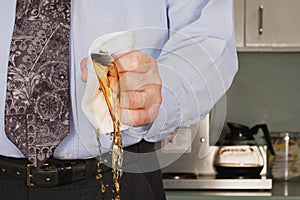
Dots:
pixel 29 174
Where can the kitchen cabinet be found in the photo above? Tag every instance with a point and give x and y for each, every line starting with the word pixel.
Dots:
pixel 239 13
pixel 267 25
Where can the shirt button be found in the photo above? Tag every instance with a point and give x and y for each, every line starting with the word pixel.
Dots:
pixel 65 155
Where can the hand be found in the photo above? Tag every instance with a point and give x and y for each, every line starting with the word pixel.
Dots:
pixel 141 87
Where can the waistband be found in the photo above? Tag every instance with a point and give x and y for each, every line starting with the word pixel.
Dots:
pixel 60 172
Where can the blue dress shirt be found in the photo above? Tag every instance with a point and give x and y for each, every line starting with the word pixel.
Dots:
pixel 192 40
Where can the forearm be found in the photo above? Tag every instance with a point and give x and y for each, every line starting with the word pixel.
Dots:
pixel 197 66
pixel 190 91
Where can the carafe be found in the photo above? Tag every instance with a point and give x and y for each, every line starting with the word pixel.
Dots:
pixel 239 155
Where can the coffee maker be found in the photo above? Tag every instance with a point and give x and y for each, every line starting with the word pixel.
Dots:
pixel 195 148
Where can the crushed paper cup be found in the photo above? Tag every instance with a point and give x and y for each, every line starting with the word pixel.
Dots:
pixel 93 103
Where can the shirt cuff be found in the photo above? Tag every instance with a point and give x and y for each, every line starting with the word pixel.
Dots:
pixel 138 131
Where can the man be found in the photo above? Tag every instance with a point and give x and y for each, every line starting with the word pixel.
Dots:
pixel 185 60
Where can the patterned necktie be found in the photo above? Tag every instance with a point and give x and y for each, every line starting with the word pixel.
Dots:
pixel 37 99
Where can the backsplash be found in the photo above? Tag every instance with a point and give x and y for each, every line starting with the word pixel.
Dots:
pixel 266 90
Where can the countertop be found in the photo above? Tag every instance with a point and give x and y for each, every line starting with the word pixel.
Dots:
pixel 280 190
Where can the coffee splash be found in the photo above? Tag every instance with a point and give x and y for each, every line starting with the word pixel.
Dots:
pixel 108 77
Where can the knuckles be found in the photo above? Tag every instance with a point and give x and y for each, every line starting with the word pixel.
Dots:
pixel 138 59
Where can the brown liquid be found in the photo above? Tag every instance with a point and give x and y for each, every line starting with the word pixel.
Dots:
pixel 108 77
pixel 238 171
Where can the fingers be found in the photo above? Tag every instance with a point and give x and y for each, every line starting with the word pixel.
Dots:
pixel 140 117
pixel 84 69
pixel 135 100
pixel 142 99
pixel 136 117
pixel 135 61
pixel 141 107
pixel 137 81
pixel 141 86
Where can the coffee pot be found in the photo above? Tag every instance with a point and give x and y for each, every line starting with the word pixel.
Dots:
pixel 239 155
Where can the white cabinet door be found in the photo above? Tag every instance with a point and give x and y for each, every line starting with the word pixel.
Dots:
pixel 272 23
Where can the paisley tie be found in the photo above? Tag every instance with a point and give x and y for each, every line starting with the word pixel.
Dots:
pixel 37 99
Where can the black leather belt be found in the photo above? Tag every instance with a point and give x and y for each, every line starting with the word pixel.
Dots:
pixel 51 174
pixel 60 172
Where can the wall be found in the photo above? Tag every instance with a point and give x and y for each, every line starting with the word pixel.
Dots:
pixel 266 90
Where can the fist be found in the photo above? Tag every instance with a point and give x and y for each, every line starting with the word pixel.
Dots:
pixel 141 87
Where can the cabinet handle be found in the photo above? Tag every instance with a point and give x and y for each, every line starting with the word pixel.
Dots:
pixel 260 18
